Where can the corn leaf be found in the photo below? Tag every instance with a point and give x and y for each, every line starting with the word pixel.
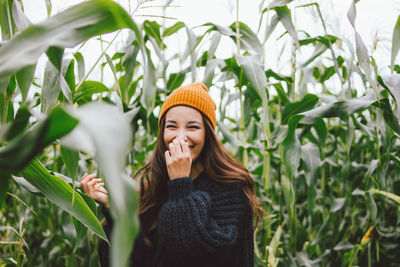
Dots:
pixel 81 65
pixel 21 150
pixel 248 39
pixel 291 148
pixel 395 42
pixel 361 49
pixel 88 88
pixel 307 103
pixel 65 29
pixel 173 29
pixel 338 109
pixel 388 195
pixel 149 86
pixel 105 130
pixel 59 192
pixel 285 17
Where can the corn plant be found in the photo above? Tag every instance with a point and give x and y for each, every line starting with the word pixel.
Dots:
pixel 325 164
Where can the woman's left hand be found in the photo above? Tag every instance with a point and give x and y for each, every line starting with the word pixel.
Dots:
pixel 178 159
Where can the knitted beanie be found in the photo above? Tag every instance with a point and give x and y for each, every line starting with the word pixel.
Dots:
pixel 194 95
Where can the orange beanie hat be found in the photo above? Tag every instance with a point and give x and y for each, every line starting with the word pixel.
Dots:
pixel 194 95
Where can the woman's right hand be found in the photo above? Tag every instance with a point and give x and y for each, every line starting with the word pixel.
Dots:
pixel 94 188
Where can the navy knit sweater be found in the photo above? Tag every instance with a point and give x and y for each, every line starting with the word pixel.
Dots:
pixel 204 223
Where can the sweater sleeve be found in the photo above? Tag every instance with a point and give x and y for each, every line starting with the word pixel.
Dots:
pixel 193 222
pixel 103 247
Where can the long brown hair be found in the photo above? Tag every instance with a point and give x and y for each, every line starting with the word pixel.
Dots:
pixel 217 163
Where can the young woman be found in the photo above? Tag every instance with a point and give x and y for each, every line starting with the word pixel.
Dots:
pixel 196 201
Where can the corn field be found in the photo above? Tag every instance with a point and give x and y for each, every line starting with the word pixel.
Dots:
pixel 319 134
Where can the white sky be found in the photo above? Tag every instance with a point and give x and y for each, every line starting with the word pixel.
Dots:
pixel 375 20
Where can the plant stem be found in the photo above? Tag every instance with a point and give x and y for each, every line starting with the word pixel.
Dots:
pixel 9 19
pixel 237 27
pixel 241 131
pixel 97 61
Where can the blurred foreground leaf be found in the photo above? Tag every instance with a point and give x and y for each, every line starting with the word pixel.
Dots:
pixel 105 130
pixel 22 149
pixel 65 29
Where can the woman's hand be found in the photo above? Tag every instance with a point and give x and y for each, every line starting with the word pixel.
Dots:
pixel 178 159
pixel 94 188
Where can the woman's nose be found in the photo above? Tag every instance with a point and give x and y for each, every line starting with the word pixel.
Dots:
pixel 181 135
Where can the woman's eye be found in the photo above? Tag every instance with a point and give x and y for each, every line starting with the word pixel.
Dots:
pixel 170 126
pixel 194 127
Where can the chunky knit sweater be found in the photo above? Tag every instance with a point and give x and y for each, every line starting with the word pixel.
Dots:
pixel 204 223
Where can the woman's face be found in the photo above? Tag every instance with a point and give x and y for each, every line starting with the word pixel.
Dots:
pixel 185 123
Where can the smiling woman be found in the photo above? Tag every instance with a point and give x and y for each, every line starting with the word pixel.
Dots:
pixel 196 202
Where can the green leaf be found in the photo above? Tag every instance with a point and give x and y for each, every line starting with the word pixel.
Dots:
pixel 70 77
pixel 7 24
pixel 307 103
pixel 343 245
pixel 292 148
pixel 388 195
pixel 65 29
pixel 211 67
pixel 20 19
pixel 175 80
pixel 271 27
pixel 290 202
pixel 270 73
pixel 395 42
pixel 322 132
pixel 254 72
pixel 227 31
pixel 27 185
pixel 319 50
pixel 81 65
pixel 48 7
pixel 285 17
pixel 105 130
pixel 130 64
pixel 149 86
pixel 372 208
pixel 391 119
pixel 122 90
pixel 3 228
pixel 361 49
pixel 4 184
pixel 51 87
pixel 338 109
pixel 152 28
pixel 392 83
pixel 273 247
pixel 192 43
pixel 312 161
pixel 88 88
pixel 55 55
pixel 173 29
pixel 71 160
pixel 24 78
pixel 321 232
pixel 337 204
pixel 19 124
pixel 248 39
pixel 21 150
pixel 228 135
pixel 212 64
pixel 60 193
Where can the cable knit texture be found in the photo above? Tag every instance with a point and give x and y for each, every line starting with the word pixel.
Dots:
pixel 204 223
